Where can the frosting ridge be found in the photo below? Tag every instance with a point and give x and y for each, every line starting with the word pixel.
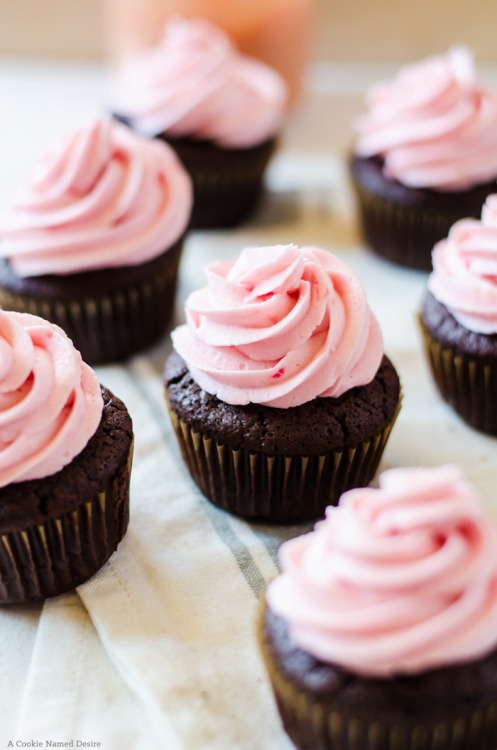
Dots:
pixel 280 326
pixel 464 276
pixel 50 400
pixel 100 197
pixel 434 125
pixel 395 580
pixel 195 83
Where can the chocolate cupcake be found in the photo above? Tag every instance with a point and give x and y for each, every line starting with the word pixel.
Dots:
pixel 93 241
pixel 381 631
pixel 459 318
pixel 218 109
pixel 278 390
pixel 426 156
pixel 65 460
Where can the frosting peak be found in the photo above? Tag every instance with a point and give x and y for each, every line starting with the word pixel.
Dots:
pixel 464 276
pixel 434 125
pixel 396 580
pixel 195 83
pixel 100 197
pixel 280 326
pixel 50 400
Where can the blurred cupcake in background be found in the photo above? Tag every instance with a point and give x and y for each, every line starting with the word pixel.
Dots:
pixel 93 239
pixel 381 631
pixel 459 318
pixel 220 110
pixel 426 156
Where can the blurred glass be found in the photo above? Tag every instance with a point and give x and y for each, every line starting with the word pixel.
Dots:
pixel 275 31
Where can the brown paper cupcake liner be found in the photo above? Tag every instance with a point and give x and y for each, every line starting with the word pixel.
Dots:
pixel 227 182
pixel 402 224
pixel 221 203
pixel 282 489
pixel 468 384
pixel 108 327
pixel 402 234
pixel 224 199
pixel 48 559
pixel 227 178
pixel 312 726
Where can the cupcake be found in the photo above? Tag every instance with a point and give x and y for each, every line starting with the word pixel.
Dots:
pixel 278 388
pixel 425 157
pixel 220 110
pixel 65 460
pixel 93 240
pixel 381 631
pixel 459 318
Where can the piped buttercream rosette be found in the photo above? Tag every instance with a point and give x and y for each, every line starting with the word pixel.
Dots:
pixel 101 197
pixel 434 125
pixel 50 400
pixel 280 326
pixel 195 83
pixel 464 276
pixel 396 580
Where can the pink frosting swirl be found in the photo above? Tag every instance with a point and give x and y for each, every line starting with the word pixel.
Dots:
pixel 50 400
pixel 434 125
pixel 464 276
pixel 196 84
pixel 280 326
pixel 101 197
pixel 396 580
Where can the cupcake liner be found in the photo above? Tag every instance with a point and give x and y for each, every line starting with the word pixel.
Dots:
pixel 227 182
pixel 402 234
pixel 401 223
pixel 224 200
pixel 467 383
pixel 47 559
pixel 112 326
pixel 283 489
pixel 313 726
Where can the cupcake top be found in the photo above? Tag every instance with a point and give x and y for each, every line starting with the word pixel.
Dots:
pixel 280 326
pixel 400 579
pixel 464 276
pixel 434 125
pixel 196 84
pixel 50 400
pixel 100 197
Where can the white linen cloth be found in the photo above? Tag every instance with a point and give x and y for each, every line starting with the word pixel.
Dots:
pixel 158 650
